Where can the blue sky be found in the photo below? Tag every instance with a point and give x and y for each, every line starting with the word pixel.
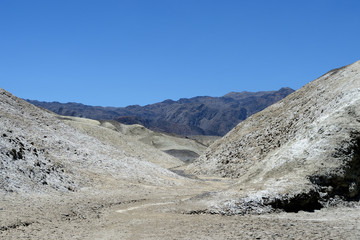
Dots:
pixel 119 53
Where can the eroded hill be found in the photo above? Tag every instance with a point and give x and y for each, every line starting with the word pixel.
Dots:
pixel 140 141
pixel 40 152
pixel 74 178
pixel 298 154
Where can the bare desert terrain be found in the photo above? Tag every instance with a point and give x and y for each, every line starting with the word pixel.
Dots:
pixel 147 212
pixel 288 172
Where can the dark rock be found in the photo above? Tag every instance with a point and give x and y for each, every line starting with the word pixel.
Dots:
pixel 193 116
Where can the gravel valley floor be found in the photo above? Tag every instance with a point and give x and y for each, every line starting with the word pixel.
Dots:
pixel 137 211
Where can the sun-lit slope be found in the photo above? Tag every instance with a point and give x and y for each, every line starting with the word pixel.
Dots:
pixel 107 133
pixel 39 151
pixel 307 146
pixel 181 147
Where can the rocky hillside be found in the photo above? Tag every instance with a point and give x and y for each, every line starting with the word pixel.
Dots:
pixel 298 154
pixel 40 152
pixel 194 116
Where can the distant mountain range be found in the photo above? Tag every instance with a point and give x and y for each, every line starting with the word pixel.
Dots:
pixel 187 116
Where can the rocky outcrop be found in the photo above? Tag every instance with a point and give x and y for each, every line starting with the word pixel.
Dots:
pixel 194 116
pixel 298 154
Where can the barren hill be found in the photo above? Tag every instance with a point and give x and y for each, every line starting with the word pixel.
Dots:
pixel 139 141
pixel 76 178
pixel 40 152
pixel 298 154
pixel 194 116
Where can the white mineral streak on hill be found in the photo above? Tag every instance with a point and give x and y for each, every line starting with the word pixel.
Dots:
pixel 40 152
pixel 296 153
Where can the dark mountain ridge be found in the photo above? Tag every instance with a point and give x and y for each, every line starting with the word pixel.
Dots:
pixel 187 116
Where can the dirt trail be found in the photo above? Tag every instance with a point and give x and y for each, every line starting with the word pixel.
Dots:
pixel 148 212
pixel 143 206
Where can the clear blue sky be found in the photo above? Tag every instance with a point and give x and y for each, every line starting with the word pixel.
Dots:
pixel 124 52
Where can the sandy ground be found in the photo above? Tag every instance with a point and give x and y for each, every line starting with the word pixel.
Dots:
pixel 135 211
